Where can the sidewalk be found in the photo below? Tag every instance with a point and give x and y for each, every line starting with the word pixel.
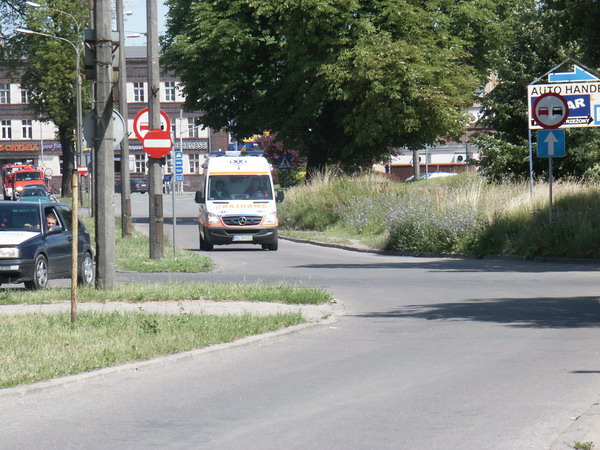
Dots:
pixel 312 313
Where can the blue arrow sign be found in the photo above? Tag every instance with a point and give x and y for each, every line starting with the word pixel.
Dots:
pixel 578 74
pixel 551 143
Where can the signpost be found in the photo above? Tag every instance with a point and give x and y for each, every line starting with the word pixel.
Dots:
pixel 157 143
pixel 572 100
pixel 285 162
pixel 550 110
pixel 551 144
pixel 141 121
pixel 82 170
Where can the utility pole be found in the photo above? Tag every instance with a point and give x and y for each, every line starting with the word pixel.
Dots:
pixel 104 148
pixel 155 195
pixel 124 110
pixel 416 165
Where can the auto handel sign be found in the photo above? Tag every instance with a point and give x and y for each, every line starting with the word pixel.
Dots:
pixel 581 92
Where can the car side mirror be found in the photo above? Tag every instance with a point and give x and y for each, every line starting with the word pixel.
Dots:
pixel 55 229
pixel 199 198
pixel 279 196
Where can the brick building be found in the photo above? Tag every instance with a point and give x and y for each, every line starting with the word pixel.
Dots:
pixel 24 138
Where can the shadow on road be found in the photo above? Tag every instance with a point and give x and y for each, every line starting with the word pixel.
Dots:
pixel 169 220
pixel 572 312
pixel 464 265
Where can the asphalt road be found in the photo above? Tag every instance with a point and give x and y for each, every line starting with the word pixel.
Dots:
pixel 429 353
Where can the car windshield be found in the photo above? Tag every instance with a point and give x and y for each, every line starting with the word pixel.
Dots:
pixel 35 192
pixel 28 176
pixel 19 217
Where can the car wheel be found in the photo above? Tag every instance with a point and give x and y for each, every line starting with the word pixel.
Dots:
pixel 86 271
pixel 40 274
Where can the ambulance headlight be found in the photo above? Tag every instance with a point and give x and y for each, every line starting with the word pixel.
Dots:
pixel 213 219
pixel 270 219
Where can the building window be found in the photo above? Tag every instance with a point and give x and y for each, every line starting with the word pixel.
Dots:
pixel 140 163
pixel 194 163
pixel 6 129
pixel 193 127
pixel 169 91
pixel 4 93
pixel 24 96
pixel 27 129
pixel 138 92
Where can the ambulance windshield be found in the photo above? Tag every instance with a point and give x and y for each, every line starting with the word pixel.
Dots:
pixel 240 187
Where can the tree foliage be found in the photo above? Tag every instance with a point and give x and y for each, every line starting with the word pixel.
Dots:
pixel 540 35
pixel 46 68
pixel 339 80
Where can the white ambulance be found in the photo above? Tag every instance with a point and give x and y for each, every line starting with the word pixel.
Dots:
pixel 238 201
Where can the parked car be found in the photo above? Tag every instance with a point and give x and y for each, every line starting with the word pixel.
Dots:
pixel 136 185
pixel 36 193
pixel 32 253
pixel 427 176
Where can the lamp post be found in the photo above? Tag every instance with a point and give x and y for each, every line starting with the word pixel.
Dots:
pixel 77 46
pixel 75 175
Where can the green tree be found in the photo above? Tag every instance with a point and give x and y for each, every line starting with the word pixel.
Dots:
pixel 47 69
pixel 273 149
pixel 537 38
pixel 339 80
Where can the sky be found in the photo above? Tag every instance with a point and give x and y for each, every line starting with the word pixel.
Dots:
pixel 137 21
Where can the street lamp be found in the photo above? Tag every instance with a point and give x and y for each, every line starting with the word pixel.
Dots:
pixel 79 117
pixel 78 46
pixel 75 175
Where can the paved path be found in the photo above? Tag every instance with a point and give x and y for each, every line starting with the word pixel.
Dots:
pixel 312 313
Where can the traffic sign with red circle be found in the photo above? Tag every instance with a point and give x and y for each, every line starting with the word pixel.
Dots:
pixel 157 143
pixel 141 123
pixel 550 110
pixel 82 170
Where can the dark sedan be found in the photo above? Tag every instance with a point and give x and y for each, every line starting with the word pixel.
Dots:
pixel 32 252
pixel 136 185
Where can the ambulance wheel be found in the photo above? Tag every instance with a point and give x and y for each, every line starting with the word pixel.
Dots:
pixel 204 244
pixel 273 247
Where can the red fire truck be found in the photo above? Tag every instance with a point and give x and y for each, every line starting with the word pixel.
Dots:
pixel 16 176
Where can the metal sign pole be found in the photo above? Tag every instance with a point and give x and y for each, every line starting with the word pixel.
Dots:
pixel 530 166
pixel 173 197
pixel 550 188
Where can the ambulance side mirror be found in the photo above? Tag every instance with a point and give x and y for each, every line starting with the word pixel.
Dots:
pixel 279 196
pixel 199 198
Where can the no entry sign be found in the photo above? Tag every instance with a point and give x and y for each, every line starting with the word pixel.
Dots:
pixel 157 143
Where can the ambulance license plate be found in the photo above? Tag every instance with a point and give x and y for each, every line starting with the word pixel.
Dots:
pixel 242 237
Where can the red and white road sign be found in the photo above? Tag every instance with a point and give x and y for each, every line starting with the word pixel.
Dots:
pixel 550 110
pixel 157 143
pixel 82 170
pixel 141 123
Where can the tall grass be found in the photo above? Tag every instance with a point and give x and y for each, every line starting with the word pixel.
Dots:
pixel 455 215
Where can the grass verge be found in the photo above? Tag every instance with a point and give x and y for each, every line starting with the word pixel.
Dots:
pixel 40 347
pixel 463 214
pixel 173 291
pixel 132 254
